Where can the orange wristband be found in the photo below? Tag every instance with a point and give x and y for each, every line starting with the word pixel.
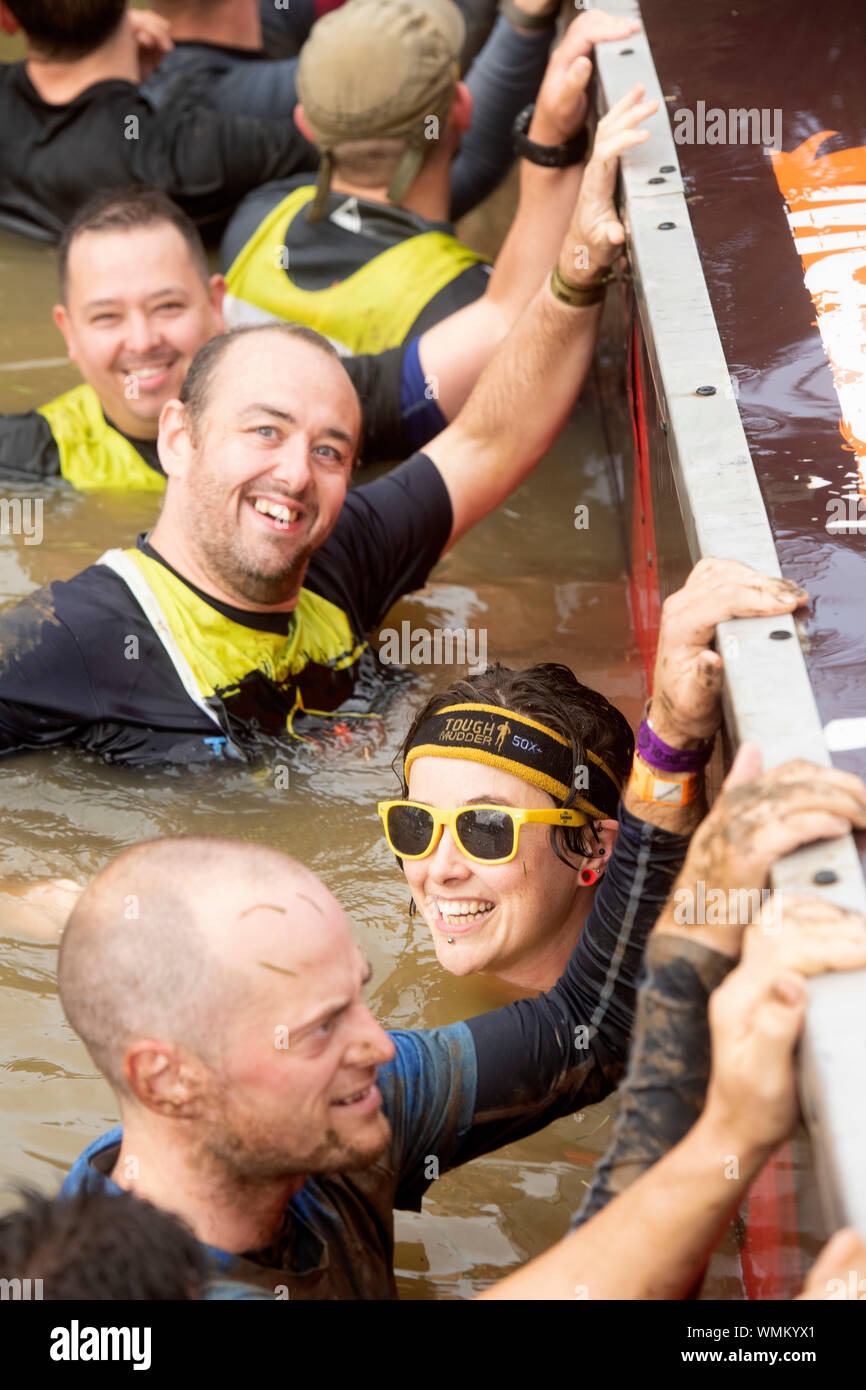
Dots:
pixel 648 786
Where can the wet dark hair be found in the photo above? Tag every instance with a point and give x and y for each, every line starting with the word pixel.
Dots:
pixel 67 28
pixel 125 210
pixel 195 392
pixel 100 1247
pixel 551 694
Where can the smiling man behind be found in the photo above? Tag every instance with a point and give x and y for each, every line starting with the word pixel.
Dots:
pixel 246 614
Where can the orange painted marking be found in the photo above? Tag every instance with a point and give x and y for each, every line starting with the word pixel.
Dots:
pixel 826 209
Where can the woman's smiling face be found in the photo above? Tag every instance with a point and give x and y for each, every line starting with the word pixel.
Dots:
pixel 489 917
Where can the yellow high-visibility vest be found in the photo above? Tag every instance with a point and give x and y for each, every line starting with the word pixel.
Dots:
pixel 92 453
pixel 225 666
pixel 371 310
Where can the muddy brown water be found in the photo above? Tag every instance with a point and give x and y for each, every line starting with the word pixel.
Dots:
pixel 539 588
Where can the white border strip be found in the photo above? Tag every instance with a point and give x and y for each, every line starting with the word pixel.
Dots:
pixel 768 698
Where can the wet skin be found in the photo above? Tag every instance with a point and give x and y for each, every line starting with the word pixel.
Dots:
pixel 137 311
pixel 531 909
pixel 279 430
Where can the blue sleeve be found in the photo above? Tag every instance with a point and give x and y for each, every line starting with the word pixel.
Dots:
pixel 428 1095
pixel 422 418
pixel 504 78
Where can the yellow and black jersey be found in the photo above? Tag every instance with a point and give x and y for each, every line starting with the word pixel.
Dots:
pixel 369 276
pixel 131 661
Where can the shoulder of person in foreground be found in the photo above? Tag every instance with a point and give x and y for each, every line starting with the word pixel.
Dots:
pixel 389 535
pixel 54 645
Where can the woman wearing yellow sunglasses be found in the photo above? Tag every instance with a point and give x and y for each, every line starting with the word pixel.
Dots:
pixel 510 810
pixel 511 784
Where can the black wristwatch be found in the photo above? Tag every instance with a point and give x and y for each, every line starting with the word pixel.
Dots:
pixel 550 156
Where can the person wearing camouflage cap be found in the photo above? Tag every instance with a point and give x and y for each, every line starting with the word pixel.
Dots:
pixel 404 93
pixel 366 256
pixel 223 49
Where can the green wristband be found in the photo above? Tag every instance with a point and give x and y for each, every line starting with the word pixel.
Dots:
pixel 520 20
pixel 579 296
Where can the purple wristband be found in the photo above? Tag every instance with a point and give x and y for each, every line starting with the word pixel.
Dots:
pixel 661 756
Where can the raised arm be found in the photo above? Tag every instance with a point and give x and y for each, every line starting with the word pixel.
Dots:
pixel 524 396
pixel 654 1240
pixel 504 79
pixel 455 352
pixel 755 821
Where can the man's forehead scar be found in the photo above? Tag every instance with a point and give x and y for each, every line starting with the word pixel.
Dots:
pixel 268 907
pixel 280 969
pixel 310 901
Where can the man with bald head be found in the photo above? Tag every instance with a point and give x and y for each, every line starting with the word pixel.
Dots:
pixel 219 980
pixel 217 986
pixel 243 618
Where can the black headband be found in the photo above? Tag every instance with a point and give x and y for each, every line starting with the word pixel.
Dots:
pixel 500 738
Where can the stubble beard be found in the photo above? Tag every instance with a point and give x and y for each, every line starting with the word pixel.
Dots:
pixel 224 559
pixel 234 1156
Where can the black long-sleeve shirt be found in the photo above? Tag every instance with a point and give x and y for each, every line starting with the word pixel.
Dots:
pixel 54 157
pixel 669 1066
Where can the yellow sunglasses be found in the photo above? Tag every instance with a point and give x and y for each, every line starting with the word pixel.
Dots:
pixel 487 834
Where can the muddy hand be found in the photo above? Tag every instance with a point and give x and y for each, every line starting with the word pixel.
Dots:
pixel 687 685
pixel 756 820
pixel 803 935
pixel 757 1014
pixel 596 237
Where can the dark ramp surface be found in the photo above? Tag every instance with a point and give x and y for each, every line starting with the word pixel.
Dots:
pixel 803 415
